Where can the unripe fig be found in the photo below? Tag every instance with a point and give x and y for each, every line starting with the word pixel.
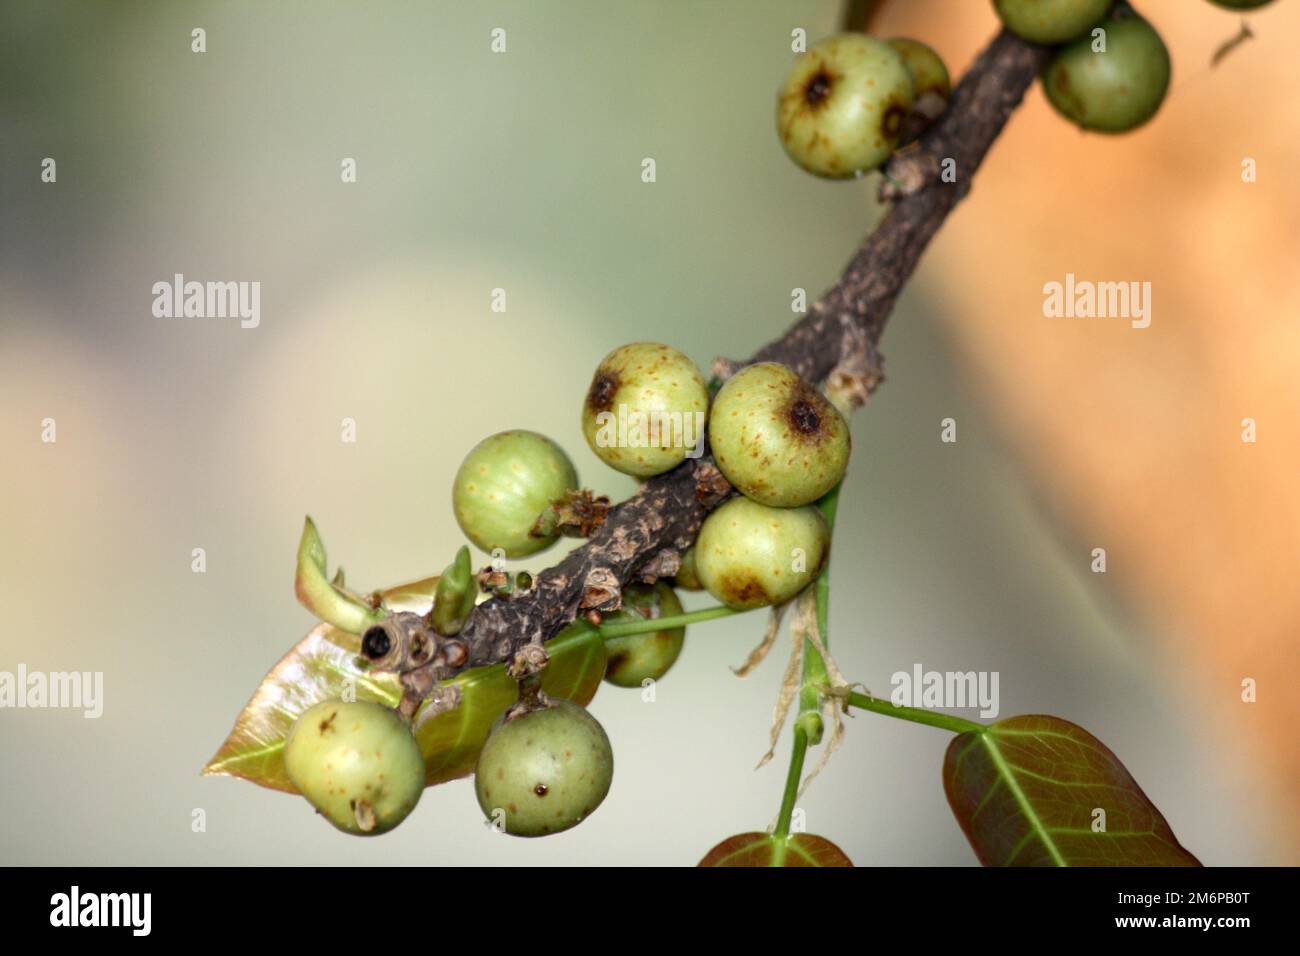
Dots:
pixel 357 763
pixel 686 576
pixel 544 771
pixel 1240 4
pixel 842 109
pixel 776 438
pixel 639 657
pixel 931 85
pixel 503 487
pixel 1050 21
pixel 749 555
pixel 1114 91
pixel 645 409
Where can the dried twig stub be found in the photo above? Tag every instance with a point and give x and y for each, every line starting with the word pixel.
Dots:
pixel 759 653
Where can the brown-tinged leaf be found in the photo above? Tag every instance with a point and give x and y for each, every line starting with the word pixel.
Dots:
pixel 1026 791
pixel 764 849
pixel 323 663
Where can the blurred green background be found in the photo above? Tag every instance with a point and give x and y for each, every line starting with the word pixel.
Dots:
pixel 476 171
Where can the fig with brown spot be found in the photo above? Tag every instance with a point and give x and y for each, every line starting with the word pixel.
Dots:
pixel 749 555
pixel 843 107
pixel 550 769
pixel 357 763
pixel 645 409
pixel 776 438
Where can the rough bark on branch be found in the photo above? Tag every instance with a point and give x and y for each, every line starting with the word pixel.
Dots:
pixel 834 345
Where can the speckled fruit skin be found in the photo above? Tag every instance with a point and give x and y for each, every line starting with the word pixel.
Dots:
pixel 776 438
pixel 842 109
pixel 640 657
pixel 745 554
pixel 645 379
pixel 548 770
pixel 1050 21
pixel 924 66
pixel 1115 91
pixel 341 754
pixel 504 484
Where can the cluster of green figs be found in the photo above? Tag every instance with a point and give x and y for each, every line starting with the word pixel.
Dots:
pixel 547 764
pixel 852 100
pixel 776 439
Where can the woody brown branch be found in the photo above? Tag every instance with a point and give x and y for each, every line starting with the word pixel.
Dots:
pixel 835 346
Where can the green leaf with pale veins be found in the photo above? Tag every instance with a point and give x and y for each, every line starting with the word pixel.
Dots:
pixel 1026 790
pixel 321 665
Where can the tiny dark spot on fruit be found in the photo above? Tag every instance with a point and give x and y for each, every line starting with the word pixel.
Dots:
pixel 327 724
pixel 818 88
pixel 512 808
pixel 600 397
pixel 541 790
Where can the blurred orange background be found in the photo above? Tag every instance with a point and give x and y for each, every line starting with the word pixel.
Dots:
pixel 1133 437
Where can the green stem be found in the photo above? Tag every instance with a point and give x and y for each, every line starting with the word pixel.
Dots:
pixel 958 725
pixel 814 677
pixel 652 624
pixel 830 506
pixel 814 668
pixel 792 783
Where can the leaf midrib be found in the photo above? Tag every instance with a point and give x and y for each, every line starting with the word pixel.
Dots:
pixel 1036 824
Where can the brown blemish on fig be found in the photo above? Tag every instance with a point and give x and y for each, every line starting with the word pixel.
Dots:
pixel 818 88
pixel 743 589
pixel 365 816
pixel 600 397
pixel 804 417
pixel 541 790
pixel 327 724
pixel 807 416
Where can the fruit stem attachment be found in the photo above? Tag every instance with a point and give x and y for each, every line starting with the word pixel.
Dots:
pixel 652 624
pixel 526 668
pixel 917 715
